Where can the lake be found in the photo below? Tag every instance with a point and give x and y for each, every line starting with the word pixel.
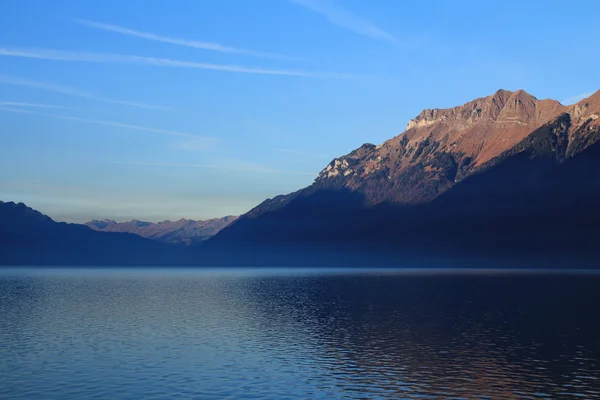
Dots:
pixel 298 334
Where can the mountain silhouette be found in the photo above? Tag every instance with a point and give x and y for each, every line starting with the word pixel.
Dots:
pixel 28 237
pixel 502 180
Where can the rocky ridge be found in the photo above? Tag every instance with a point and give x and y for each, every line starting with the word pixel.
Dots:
pixel 441 147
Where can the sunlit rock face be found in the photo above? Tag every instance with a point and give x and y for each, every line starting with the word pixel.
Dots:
pixel 442 147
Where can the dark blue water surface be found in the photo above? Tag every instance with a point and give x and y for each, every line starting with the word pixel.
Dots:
pixel 277 334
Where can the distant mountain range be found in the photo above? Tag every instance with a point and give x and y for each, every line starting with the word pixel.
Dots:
pixel 28 237
pixel 504 177
pixel 183 231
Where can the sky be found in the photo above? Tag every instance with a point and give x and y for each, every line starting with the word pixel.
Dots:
pixel 158 110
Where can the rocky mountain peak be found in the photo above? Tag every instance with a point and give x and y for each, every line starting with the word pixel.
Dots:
pixel 443 146
pixel 502 107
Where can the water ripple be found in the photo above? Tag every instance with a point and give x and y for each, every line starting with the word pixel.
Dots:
pixel 298 336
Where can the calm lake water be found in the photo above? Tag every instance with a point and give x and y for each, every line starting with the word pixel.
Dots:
pixel 274 334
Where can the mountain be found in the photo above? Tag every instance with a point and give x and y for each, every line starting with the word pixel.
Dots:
pixel 502 176
pixel 28 237
pixel 439 148
pixel 184 231
pixel 502 180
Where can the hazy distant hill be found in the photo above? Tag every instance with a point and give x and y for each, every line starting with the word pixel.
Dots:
pixel 28 237
pixel 184 231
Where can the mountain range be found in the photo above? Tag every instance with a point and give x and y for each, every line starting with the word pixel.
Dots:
pixel 28 237
pixel 506 176
pixel 442 147
pixel 183 231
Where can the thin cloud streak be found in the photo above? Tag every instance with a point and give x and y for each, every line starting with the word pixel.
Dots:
pixel 11 80
pixel 245 167
pixel 575 99
pixel 16 110
pixel 35 105
pixel 75 56
pixel 180 42
pixel 113 124
pixel 129 126
pixel 346 19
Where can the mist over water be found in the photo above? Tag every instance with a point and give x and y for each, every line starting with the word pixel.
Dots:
pixel 305 333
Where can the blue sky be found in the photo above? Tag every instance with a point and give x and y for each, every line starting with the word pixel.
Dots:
pixel 167 109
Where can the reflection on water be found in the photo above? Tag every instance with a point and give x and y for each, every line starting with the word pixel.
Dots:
pixel 297 334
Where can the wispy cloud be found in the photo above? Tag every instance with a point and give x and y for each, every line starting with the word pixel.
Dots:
pixel 180 42
pixel 208 139
pixel 77 56
pixel 35 105
pixel 225 165
pixel 346 19
pixel 11 80
pixel 576 98
pixel 16 110
pixel 132 127
pixel 302 153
